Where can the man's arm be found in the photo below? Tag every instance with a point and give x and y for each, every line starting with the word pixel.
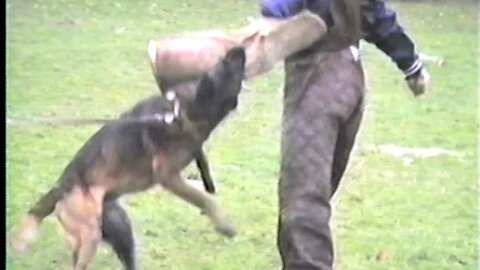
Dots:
pixel 379 24
pixel 281 8
pixel 381 28
pixel 288 8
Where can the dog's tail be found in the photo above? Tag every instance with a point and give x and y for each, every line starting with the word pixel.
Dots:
pixel 30 224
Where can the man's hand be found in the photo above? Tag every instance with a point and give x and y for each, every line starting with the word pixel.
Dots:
pixel 419 82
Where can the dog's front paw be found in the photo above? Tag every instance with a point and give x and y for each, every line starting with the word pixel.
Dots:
pixel 226 229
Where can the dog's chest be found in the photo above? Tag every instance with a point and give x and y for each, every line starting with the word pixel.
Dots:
pixel 132 181
pixel 166 165
pixel 163 166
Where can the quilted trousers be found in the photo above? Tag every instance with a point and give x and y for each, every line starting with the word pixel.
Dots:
pixel 323 108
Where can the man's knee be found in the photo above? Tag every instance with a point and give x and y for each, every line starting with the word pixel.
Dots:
pixel 304 212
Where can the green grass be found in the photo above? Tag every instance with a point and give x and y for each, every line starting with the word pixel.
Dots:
pixel 65 59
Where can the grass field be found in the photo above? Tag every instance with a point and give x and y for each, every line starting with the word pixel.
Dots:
pixel 87 58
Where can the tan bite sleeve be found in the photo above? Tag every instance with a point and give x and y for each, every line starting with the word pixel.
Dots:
pixel 266 41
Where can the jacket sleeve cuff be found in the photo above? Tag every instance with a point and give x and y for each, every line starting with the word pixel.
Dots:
pixel 414 68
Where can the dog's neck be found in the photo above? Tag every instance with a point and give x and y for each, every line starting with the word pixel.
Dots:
pixel 191 116
pixel 199 127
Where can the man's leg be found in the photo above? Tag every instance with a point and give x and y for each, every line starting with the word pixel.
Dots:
pixel 321 95
pixel 343 148
pixel 304 237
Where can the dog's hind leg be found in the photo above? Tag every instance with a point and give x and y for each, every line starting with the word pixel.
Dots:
pixel 83 238
pixel 80 215
pixel 117 231
pixel 202 164
pixel 89 240
pixel 178 186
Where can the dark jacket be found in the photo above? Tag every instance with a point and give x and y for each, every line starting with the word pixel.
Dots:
pixel 380 27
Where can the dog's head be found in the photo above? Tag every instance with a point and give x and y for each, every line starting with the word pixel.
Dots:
pixel 217 90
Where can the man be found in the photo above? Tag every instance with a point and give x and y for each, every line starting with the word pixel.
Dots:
pixel 323 108
pixel 323 104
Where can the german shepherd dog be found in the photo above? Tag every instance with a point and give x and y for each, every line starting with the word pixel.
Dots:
pixel 148 145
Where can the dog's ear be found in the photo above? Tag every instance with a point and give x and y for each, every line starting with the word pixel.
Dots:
pixel 205 89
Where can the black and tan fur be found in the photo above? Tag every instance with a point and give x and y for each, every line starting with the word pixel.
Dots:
pixel 129 157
